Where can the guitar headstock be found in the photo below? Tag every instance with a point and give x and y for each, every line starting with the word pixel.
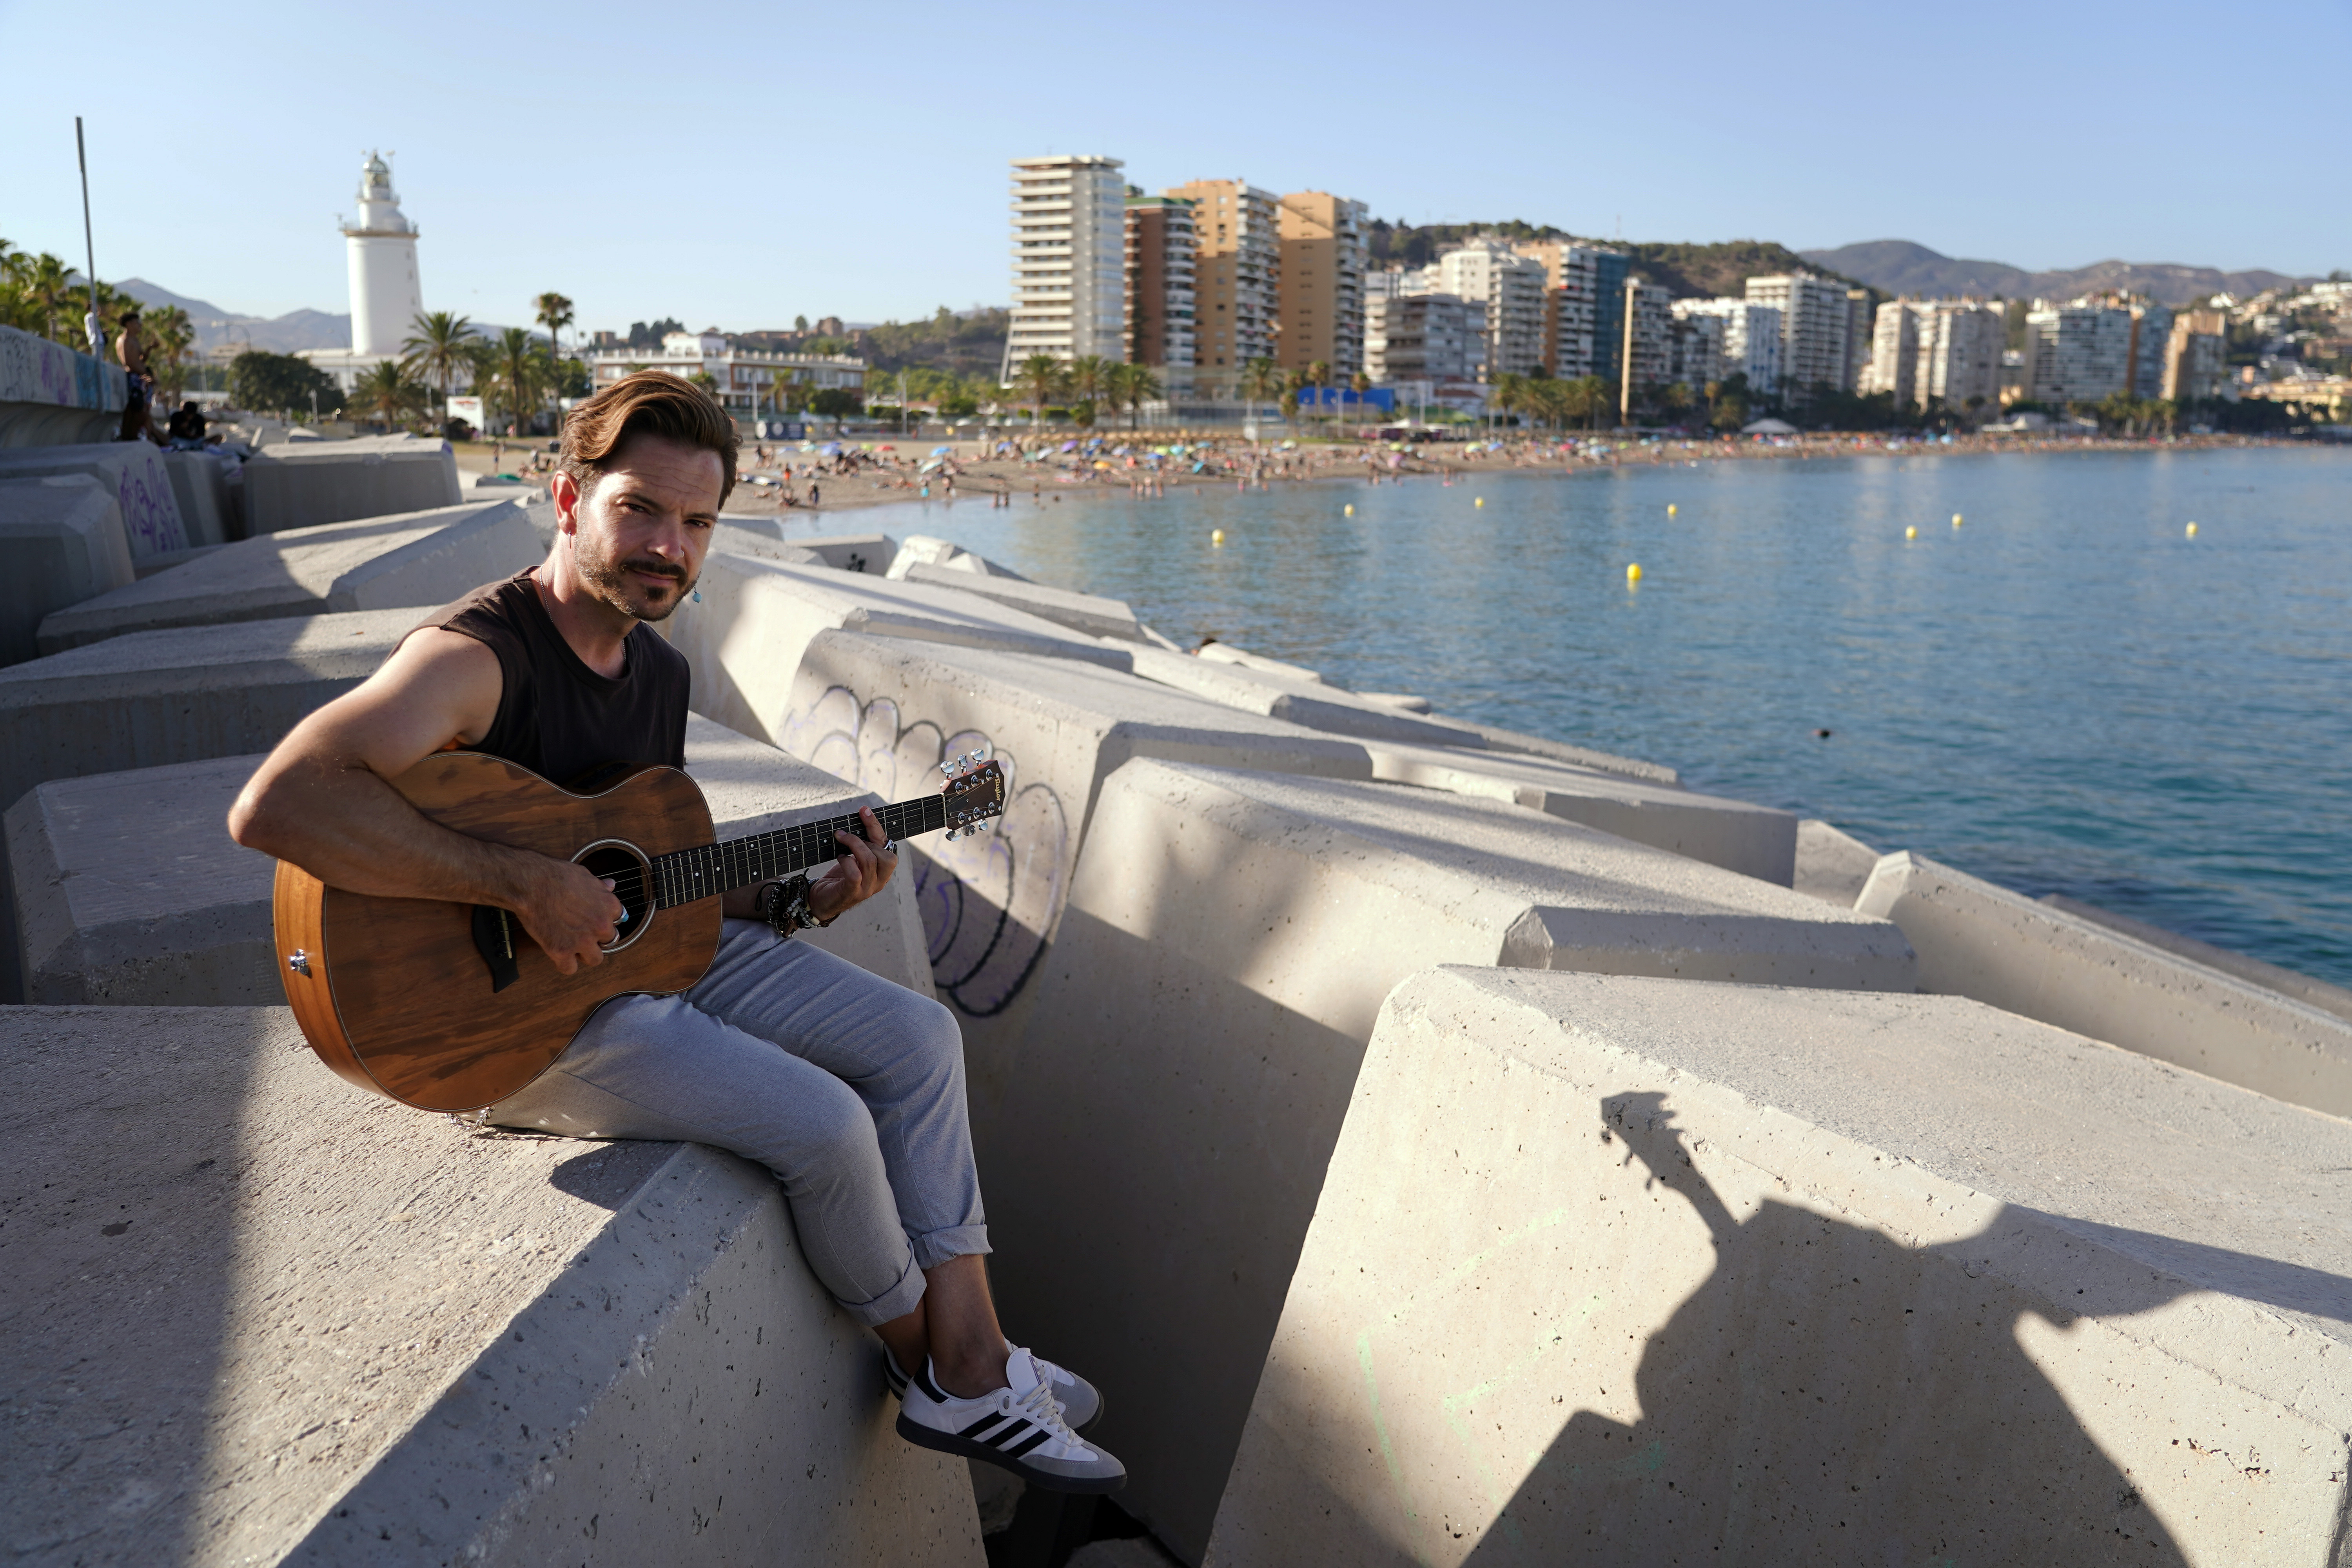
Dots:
pixel 975 791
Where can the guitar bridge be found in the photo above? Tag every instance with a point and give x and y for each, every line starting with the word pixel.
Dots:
pixel 494 940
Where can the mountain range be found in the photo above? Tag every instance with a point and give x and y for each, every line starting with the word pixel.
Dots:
pixel 286 334
pixel 1900 267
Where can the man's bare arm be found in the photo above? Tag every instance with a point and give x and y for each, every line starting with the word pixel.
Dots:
pixel 324 801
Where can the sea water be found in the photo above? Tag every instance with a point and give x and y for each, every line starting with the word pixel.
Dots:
pixel 2065 693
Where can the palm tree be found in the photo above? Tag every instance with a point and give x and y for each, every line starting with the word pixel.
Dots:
pixel 1089 377
pixel 1319 377
pixel 441 345
pixel 1510 393
pixel 1261 382
pixel 388 392
pixel 49 282
pixel 552 311
pixel 1041 377
pixel 170 340
pixel 516 363
pixel 1131 386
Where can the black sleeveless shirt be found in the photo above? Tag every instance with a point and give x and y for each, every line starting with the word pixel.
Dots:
pixel 556 716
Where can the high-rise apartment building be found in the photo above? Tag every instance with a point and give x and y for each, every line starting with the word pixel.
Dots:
pixel 2151 335
pixel 2076 352
pixel 1858 313
pixel 1816 328
pixel 1751 340
pixel 1069 259
pixel 1511 287
pixel 1161 258
pixel 1693 349
pixel 1238 274
pixel 1321 303
pixel 1928 352
pixel 2194 363
pixel 1583 300
pixel 1432 339
pixel 1645 346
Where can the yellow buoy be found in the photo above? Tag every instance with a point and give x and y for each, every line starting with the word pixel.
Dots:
pixel 1216 536
pixel 1633 572
pixel 1670 508
pixel 1910 533
pixel 2192 531
pixel 1480 501
pixel 1956 520
pixel 1351 511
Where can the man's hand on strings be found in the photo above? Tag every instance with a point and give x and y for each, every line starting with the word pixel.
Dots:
pixel 863 870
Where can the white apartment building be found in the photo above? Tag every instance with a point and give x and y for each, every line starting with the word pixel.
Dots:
pixel 1647 344
pixel 2076 352
pixel 1693 348
pixel 1069 259
pixel 1511 287
pixel 744 379
pixel 1436 339
pixel 1944 352
pixel 1751 340
pixel 2151 340
pixel 1816 329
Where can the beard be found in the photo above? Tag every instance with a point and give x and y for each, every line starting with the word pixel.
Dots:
pixel 614 579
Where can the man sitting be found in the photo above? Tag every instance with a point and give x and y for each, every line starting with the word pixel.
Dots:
pixel 850 1089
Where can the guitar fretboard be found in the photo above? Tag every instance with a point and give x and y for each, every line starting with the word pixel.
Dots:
pixel 687 875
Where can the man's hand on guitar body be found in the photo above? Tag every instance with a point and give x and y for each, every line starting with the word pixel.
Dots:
pixel 863 870
pixel 566 909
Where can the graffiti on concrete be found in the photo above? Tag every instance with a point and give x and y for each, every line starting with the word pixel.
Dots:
pixel 987 900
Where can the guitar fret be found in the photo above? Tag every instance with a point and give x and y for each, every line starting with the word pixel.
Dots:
pixel 686 876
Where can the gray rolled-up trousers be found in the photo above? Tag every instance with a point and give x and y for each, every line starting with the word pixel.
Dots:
pixel 848 1088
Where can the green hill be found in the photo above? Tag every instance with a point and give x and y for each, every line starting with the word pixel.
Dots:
pixel 1685 269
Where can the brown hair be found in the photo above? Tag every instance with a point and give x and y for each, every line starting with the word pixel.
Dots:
pixel 653 403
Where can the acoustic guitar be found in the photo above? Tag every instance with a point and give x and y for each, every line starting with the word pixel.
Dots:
pixel 448 1006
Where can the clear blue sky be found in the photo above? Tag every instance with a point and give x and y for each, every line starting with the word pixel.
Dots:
pixel 738 164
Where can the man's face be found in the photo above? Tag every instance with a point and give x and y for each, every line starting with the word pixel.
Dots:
pixel 639 533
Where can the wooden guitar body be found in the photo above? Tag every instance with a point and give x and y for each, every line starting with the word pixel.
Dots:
pixel 398 995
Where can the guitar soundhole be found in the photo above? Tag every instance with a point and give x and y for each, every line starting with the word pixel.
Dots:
pixel 632 884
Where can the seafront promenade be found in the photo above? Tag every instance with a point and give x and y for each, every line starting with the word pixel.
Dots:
pixel 1468 1144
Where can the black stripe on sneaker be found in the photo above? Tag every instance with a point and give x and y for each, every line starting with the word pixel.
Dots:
pixel 1011 1435
pixel 930 1385
pixel 974 1430
pixel 1040 1436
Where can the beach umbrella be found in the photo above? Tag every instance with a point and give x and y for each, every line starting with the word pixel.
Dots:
pixel 926 468
pixel 1069 446
pixel 943 451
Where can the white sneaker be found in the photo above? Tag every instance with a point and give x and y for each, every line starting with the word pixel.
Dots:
pixel 1019 1427
pixel 1081 1402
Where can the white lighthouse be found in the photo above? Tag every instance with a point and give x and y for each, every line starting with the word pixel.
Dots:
pixel 386 299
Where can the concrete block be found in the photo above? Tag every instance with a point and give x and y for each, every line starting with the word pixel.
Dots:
pixel 2001 948
pixel 300 484
pixel 1192 1037
pixel 257 1316
pixel 868 552
pixel 1832 865
pixel 60 543
pixel 760 545
pixel 422 558
pixel 745 634
pixel 147 566
pixel 1226 653
pixel 132 471
pixel 1088 613
pixel 2330 999
pixel 1753 840
pixel 882 712
pixel 128 891
pixel 924 549
pixel 1503 740
pixel 1314 703
pixel 182 695
pixel 200 489
pixel 1650 1271
pixel 51 396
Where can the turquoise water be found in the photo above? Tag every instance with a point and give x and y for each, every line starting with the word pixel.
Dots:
pixel 2064 695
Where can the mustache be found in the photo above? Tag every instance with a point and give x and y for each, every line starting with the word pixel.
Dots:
pixel 651 566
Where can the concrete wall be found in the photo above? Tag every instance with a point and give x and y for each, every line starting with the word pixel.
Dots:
pixel 200 488
pixel 103 919
pixel 1832 865
pixel 1192 1038
pixel 1315 704
pixel 60 542
pixel 421 558
pixel 1977 940
pixel 2333 1000
pixel 870 554
pixel 1652 1271
pixel 132 471
pixel 273 1319
pixel 51 396
pixel 179 696
pixel 1088 613
pixel 298 484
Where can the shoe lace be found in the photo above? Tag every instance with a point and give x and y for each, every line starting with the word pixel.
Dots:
pixel 1039 1405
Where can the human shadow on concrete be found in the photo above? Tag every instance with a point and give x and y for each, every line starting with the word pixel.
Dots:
pixel 1827 1395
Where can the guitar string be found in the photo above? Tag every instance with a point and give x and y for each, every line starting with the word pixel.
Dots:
pixel 806 842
